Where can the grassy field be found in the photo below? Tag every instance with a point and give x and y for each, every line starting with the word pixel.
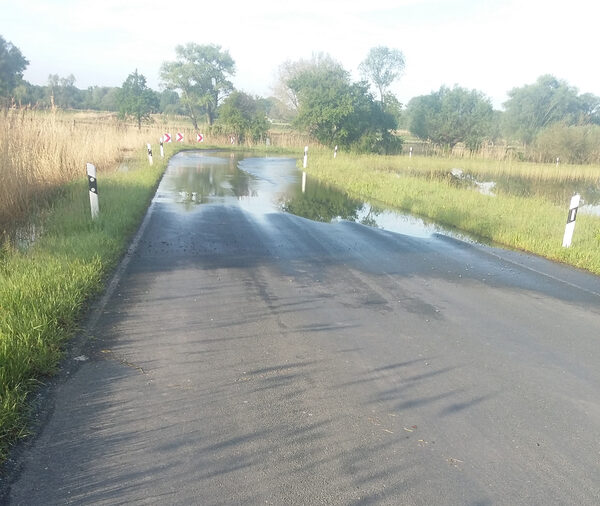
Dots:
pixel 45 286
pixel 533 224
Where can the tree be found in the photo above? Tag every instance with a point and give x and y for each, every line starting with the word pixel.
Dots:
pixel 338 112
pixel 12 66
pixel 452 115
pixel 534 107
pixel 201 74
pixel 382 67
pixel 243 116
pixel 63 93
pixel 136 100
pixel 288 70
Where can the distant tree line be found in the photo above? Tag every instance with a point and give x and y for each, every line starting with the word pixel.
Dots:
pixel 318 96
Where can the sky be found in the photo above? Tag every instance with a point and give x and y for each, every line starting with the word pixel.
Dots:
pixel 490 46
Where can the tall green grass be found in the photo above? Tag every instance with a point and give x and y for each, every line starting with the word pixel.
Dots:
pixel 532 224
pixel 45 286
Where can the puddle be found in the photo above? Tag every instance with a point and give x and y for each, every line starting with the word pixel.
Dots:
pixel 264 185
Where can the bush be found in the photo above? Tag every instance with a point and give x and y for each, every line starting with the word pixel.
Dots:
pixel 380 143
pixel 571 143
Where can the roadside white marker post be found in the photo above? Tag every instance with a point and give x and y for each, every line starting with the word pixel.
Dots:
pixel 305 156
pixel 149 154
pixel 93 188
pixel 335 152
pixel 569 229
pixel 557 160
pixel 162 150
pixel 303 182
pixel 410 152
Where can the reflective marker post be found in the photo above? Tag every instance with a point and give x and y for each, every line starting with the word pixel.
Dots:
pixel 162 151
pixel 305 156
pixel 149 154
pixel 335 152
pixel 93 187
pixel 570 228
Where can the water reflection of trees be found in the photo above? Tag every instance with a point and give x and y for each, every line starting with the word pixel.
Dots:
pixel 199 185
pixel 323 203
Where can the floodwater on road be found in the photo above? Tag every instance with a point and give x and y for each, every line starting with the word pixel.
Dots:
pixel 263 185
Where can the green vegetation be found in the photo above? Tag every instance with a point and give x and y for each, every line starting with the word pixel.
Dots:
pixel 548 101
pixel 45 286
pixel 338 112
pixel 242 116
pixel 449 116
pixel 382 67
pixel 201 74
pixel 12 65
pixel 136 100
pixel 532 224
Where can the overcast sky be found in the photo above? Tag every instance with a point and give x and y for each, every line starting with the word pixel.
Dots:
pixel 491 46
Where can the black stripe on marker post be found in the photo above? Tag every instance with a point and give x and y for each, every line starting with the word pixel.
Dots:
pixel 93 184
pixel 572 215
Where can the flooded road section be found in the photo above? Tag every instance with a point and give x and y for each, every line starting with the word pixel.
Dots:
pixel 262 185
pixel 249 355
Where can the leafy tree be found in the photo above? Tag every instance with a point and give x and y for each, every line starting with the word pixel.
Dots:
pixel 338 112
pixel 243 116
pixel 101 98
pixel 201 74
pixel 452 115
pixel 12 65
pixel 170 103
pixel 136 100
pixel 63 93
pixel 288 70
pixel 533 107
pixel 382 67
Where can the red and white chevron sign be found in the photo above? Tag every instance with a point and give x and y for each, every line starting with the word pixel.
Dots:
pixel 200 137
pixel 179 137
pixel 166 137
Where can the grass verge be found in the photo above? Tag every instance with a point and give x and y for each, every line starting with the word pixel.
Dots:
pixel 44 287
pixel 531 224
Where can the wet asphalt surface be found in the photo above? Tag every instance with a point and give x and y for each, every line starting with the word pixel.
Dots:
pixel 249 356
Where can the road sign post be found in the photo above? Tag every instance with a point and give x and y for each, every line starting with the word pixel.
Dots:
pixel 162 150
pixel 570 228
pixel 93 190
pixel 149 153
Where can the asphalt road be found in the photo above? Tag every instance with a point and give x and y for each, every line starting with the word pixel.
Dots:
pixel 251 357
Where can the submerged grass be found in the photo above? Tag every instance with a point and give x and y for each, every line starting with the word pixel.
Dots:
pixel 532 224
pixel 45 286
